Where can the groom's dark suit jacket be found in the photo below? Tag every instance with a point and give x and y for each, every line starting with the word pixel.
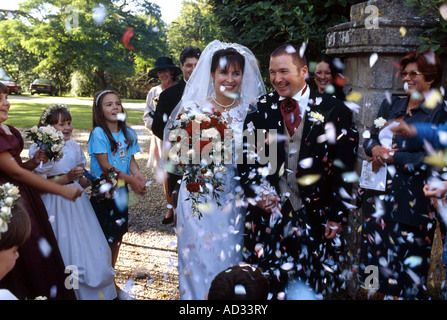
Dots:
pixel 321 199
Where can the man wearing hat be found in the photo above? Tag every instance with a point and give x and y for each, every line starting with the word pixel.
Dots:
pixel 167 73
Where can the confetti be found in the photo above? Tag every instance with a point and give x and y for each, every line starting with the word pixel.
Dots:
pixel 354 96
pixel 373 59
pixel 303 49
pixel 353 106
pixel 290 49
pixel 433 98
pixel 239 289
pixel 366 134
pixel 223 62
pixel 443 11
pixel 403 31
pixel 99 14
pixel 121 116
pixel 309 179
pixel 125 39
pixel 45 247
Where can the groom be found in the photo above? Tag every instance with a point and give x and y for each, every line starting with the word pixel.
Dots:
pixel 295 211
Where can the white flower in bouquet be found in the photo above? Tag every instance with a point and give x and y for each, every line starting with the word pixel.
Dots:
pixel 49 139
pixel 9 195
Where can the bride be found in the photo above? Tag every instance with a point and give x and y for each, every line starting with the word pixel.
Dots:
pixel 226 79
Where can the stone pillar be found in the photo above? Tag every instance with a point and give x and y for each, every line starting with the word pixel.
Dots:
pixel 389 29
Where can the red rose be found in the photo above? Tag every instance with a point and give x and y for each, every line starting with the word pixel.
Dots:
pixel 193 186
pixel 205 125
pixel 214 122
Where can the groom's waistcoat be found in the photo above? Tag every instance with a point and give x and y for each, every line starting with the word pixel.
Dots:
pixel 319 181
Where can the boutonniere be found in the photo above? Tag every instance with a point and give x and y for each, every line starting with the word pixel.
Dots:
pixel 155 99
pixel 316 117
pixel 379 123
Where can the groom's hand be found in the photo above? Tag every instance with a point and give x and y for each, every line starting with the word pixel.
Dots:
pixel 268 202
pixel 332 229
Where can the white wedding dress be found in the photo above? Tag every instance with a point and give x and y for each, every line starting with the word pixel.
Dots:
pixel 211 244
pixel 82 243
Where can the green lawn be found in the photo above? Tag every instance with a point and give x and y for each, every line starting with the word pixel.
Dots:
pixel 26 114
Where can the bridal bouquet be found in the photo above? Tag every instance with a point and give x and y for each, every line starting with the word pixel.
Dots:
pixel 49 139
pixel 105 186
pixel 199 136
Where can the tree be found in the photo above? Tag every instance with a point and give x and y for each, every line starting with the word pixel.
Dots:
pixel 262 26
pixel 195 26
pixel 434 38
pixel 81 35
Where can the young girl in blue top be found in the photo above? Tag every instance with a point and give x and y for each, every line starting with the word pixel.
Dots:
pixel 112 145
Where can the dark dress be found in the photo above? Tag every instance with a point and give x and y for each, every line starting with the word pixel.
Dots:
pixel 39 270
pixel 397 230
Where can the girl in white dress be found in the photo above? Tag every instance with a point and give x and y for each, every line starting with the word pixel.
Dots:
pixel 214 242
pixel 82 243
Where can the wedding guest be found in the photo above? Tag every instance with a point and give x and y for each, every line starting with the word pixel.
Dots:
pixel 112 146
pixel 241 282
pixel 39 270
pixel 329 78
pixel 166 72
pixel 14 231
pixel 398 227
pixel 167 101
pixel 77 230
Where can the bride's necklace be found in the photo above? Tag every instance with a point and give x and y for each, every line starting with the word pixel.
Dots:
pixel 221 105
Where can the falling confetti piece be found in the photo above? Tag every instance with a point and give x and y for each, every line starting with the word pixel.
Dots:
pixel 366 134
pixel 352 105
pixel 354 96
pixel 45 247
pixel 403 31
pixel 309 179
pixel 121 116
pixel 433 98
pixel 330 89
pixel 303 49
pixel 287 266
pixel 306 163
pixel 373 59
pixel 99 14
pixel 125 39
pixel 443 11
pixel 239 289
pixel 290 49
pixel 430 57
pixel 437 159
pixel 105 187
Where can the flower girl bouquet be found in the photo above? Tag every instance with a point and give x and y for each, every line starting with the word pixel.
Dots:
pixel 9 195
pixel 49 139
pixel 103 187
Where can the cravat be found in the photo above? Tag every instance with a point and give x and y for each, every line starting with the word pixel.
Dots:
pixel 291 113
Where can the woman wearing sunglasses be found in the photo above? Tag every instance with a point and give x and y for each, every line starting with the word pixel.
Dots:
pixel 398 227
